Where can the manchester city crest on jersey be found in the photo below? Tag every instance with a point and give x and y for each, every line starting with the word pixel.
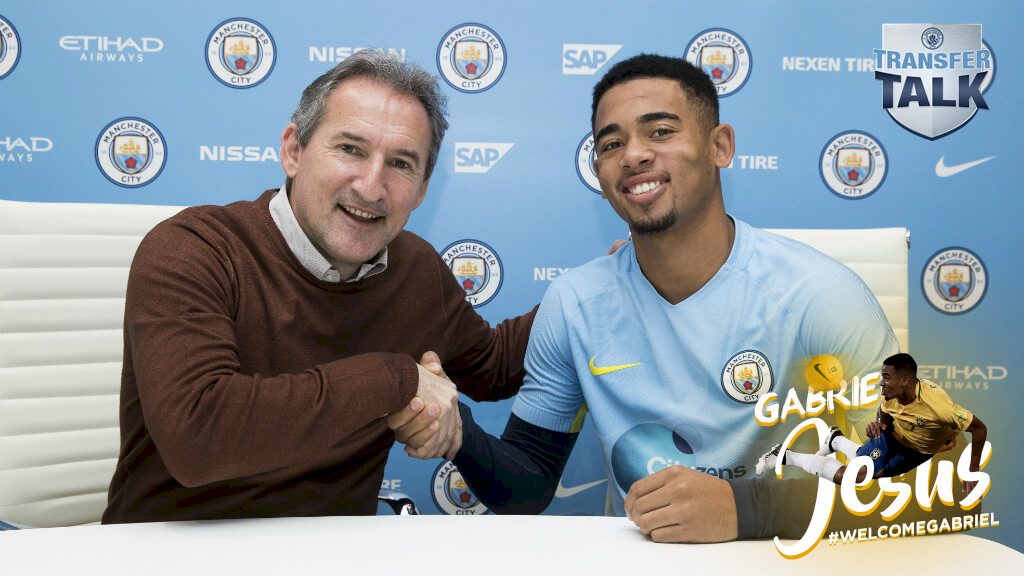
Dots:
pixel 954 280
pixel 853 164
pixel 240 53
pixel 724 56
pixel 451 493
pixel 10 47
pixel 477 269
pixel 933 76
pixel 585 163
pixel 131 152
pixel 471 57
pixel 746 376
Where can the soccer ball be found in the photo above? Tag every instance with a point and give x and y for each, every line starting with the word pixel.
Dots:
pixel 823 373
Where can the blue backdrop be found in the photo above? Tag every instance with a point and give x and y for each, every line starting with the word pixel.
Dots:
pixel 199 92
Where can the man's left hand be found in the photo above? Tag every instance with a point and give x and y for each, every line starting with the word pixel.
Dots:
pixel 678 504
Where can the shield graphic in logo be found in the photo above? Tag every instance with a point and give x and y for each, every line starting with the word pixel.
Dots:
pixel 718 61
pixel 914 98
pixel 954 281
pixel 853 165
pixel 458 492
pixel 240 54
pixel 746 377
pixel 471 272
pixel 472 58
pixel 130 153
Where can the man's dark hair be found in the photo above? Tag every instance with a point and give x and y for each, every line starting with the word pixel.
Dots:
pixel 694 82
pixel 902 362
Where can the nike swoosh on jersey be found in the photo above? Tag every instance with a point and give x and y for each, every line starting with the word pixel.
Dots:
pixel 563 492
pixel 602 370
pixel 943 171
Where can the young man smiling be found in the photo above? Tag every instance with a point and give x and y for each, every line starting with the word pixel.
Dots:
pixel 669 341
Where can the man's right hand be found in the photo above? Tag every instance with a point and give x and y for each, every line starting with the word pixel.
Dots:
pixel 430 424
pixel 875 429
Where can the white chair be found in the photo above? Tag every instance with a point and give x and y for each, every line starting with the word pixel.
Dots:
pixel 63 271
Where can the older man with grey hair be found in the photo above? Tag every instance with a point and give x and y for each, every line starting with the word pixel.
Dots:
pixel 271 346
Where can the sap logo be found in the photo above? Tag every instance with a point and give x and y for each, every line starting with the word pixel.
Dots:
pixel 340 53
pixel 479 157
pixel 586 59
pixel 395 484
pixel 548 274
pixel 238 154
pixel 19 149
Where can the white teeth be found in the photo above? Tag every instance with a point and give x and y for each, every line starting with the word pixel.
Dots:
pixel 644 188
pixel 359 213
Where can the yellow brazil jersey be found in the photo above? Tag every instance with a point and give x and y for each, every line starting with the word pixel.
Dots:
pixel 929 421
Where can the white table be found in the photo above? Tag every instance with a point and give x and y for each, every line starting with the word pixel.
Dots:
pixel 457 545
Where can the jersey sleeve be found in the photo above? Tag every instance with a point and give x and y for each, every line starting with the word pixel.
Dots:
pixel 949 412
pixel 844 319
pixel 551 396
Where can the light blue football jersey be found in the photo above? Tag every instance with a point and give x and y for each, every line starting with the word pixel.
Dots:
pixel 677 384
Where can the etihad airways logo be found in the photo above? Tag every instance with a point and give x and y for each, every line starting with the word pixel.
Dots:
pixel 111 48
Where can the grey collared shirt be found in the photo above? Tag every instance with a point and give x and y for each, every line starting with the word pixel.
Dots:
pixel 307 254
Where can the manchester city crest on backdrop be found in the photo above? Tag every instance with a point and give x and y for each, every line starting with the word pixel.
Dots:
pixel 853 164
pixel 10 47
pixel 933 75
pixel 954 280
pixel 471 57
pixel 585 163
pixel 240 53
pixel 452 495
pixel 724 56
pixel 131 152
pixel 476 267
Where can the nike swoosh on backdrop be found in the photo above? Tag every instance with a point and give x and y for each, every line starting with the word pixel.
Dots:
pixel 943 171
pixel 563 492
pixel 601 370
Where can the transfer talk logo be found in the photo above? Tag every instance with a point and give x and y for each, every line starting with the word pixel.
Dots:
pixel 933 75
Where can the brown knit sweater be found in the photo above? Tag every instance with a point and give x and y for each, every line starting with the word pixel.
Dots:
pixel 251 388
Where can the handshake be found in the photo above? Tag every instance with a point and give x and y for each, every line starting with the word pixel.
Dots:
pixel 430 425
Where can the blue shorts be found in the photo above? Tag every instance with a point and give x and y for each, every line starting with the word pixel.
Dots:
pixel 890 456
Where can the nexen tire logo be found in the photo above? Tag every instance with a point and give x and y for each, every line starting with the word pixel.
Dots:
pixel 586 59
pixel 479 157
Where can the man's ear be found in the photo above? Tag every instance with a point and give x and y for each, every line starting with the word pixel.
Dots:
pixel 595 163
pixel 723 139
pixel 422 193
pixel 290 150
